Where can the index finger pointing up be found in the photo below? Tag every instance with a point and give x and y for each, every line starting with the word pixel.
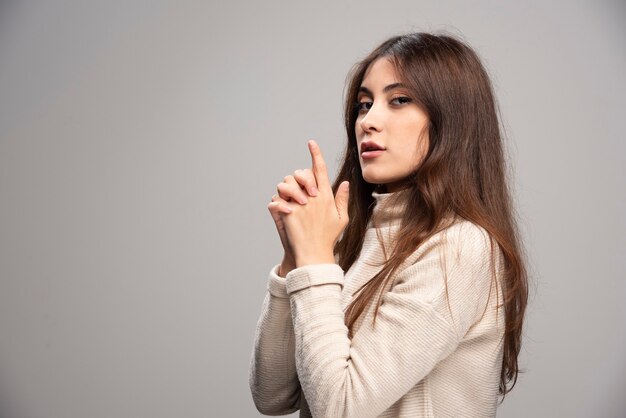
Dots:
pixel 319 166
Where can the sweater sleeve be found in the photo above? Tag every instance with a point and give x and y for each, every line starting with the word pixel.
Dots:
pixel 272 375
pixel 416 327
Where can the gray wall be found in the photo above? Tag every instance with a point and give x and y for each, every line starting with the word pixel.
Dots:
pixel 140 143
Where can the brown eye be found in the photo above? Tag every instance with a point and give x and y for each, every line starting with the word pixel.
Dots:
pixel 363 106
pixel 401 100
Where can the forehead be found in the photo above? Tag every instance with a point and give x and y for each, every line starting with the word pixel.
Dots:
pixel 381 71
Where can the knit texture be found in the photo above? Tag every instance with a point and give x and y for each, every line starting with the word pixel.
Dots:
pixel 435 350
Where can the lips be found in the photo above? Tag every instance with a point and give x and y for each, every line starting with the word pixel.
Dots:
pixel 370 149
pixel 371 146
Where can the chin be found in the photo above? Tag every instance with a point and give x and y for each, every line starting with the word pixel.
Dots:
pixel 372 178
pixel 375 181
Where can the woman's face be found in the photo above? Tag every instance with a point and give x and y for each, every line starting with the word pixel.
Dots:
pixel 388 127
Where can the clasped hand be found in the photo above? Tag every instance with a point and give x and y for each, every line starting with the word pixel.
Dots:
pixel 309 219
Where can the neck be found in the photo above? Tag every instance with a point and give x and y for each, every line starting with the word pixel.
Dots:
pixel 389 208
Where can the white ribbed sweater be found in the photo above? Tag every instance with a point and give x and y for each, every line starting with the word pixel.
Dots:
pixel 424 357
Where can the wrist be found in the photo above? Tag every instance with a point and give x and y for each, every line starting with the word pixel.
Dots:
pixel 319 258
pixel 286 265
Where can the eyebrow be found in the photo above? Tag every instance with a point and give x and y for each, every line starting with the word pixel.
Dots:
pixel 385 90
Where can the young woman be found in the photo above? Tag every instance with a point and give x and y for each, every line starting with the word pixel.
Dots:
pixel 402 289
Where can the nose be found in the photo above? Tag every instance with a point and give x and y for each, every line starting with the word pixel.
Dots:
pixel 372 120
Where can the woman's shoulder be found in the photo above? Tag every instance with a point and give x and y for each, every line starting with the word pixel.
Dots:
pixel 452 272
pixel 459 232
pixel 461 241
pixel 467 234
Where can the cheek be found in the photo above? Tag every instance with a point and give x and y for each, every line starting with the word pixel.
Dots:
pixel 411 145
pixel 357 129
pixel 408 139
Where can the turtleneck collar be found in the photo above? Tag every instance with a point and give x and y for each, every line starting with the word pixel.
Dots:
pixel 388 208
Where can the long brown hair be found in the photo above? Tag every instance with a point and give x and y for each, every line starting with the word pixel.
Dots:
pixel 461 175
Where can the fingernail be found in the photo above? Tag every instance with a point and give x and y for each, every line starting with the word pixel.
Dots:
pixel 303 200
pixel 314 191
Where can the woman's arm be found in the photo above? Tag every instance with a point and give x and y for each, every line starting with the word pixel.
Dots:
pixel 273 379
pixel 415 328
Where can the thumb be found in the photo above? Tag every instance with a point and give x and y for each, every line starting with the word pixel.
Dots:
pixel 341 200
